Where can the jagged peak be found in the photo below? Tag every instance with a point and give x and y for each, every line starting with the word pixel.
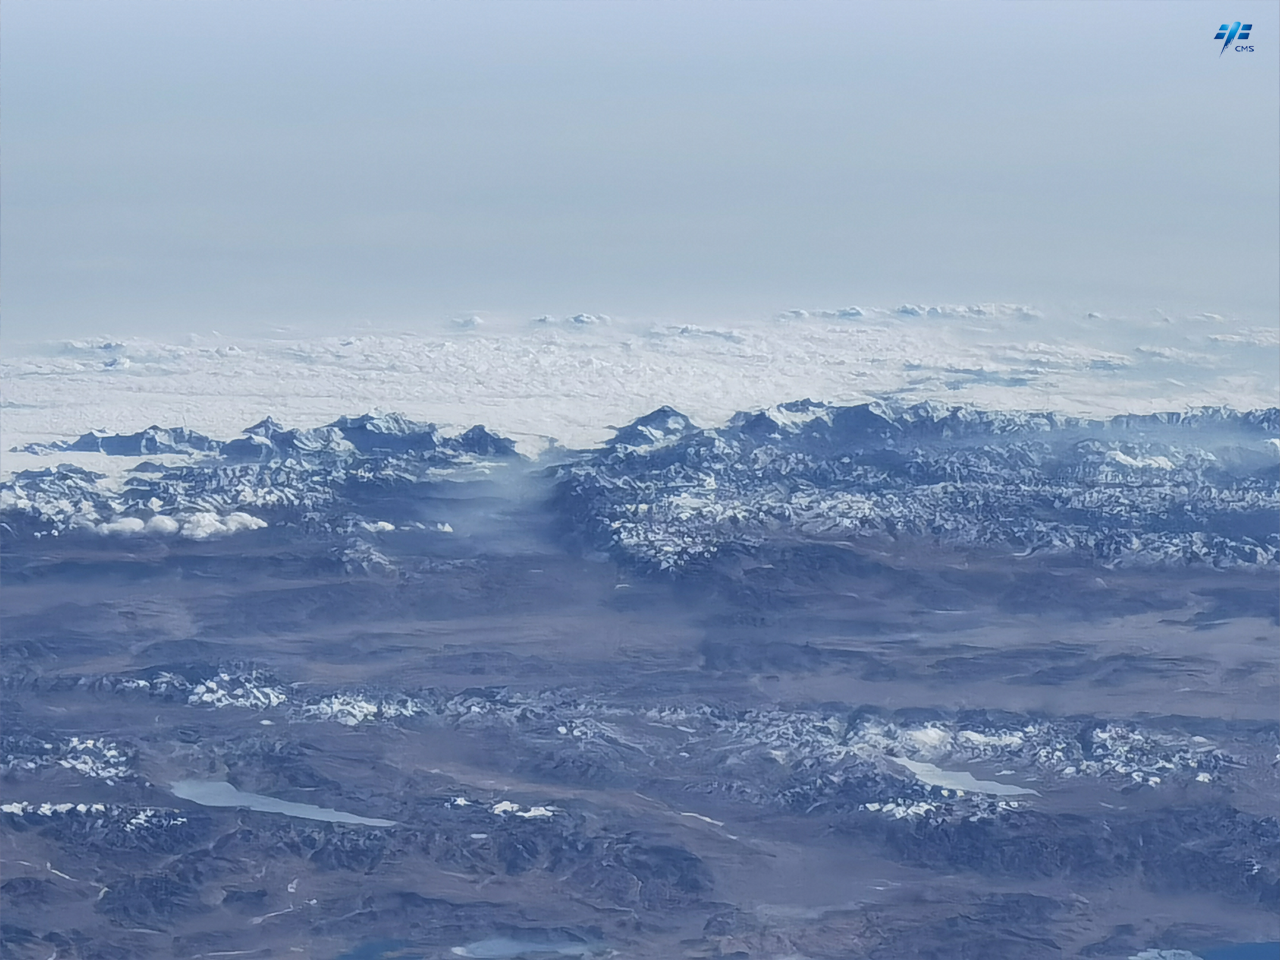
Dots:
pixel 662 425
pixel 267 427
pixel 481 441
pixel 395 424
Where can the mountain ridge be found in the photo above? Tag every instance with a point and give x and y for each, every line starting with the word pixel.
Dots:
pixel 1196 486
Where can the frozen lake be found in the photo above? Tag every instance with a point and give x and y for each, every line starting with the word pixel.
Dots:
pixel 506 948
pixel 217 793
pixel 952 780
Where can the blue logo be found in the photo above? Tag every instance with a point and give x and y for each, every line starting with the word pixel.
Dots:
pixel 1231 32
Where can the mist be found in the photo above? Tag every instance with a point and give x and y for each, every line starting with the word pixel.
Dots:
pixel 288 168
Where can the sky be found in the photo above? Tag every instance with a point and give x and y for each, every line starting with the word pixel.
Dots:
pixel 280 167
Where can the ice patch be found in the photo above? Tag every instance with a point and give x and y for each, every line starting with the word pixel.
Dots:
pixel 935 777
pixel 221 794
pixel 504 807
pixel 698 816
pixel 1156 463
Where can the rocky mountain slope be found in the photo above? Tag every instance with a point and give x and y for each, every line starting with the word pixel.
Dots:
pixel 823 682
pixel 1199 487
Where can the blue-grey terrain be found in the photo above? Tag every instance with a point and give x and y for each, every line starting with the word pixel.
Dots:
pixel 863 682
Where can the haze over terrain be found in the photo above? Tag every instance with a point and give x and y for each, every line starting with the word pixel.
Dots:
pixel 293 168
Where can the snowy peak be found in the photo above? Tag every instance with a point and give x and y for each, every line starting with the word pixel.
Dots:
pixel 392 433
pixel 323 477
pixel 879 423
pixel 267 428
pixel 1193 487
pixel 366 435
pixel 663 425
pixel 481 442
pixel 153 440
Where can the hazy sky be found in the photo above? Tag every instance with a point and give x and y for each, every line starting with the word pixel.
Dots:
pixel 248 166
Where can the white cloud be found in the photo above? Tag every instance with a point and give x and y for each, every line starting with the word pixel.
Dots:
pixel 125 526
pixel 162 525
pixel 568 380
pixel 202 526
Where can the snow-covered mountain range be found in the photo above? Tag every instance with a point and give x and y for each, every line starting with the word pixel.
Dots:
pixel 1194 487
pixel 316 478
pixel 1200 486
pixel 571 379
